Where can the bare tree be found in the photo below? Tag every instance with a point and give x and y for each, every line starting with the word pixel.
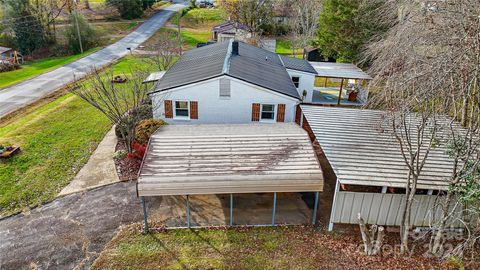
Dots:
pixel 305 16
pixel 166 50
pixel 252 13
pixel 122 103
pixel 428 65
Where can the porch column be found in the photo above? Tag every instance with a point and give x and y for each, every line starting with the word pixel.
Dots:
pixel 334 204
pixel 274 208
pixel 231 209
pixel 340 94
pixel 188 212
pixel 315 208
pixel 145 217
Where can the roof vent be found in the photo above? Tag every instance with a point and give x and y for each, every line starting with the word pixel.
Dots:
pixel 235 47
pixel 266 58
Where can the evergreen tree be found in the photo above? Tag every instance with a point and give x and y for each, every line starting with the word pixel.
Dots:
pixel 131 9
pixel 29 32
pixel 346 26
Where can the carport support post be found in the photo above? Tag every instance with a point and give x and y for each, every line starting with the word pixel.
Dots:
pixel 188 212
pixel 145 217
pixel 231 209
pixel 274 208
pixel 315 208
pixel 332 212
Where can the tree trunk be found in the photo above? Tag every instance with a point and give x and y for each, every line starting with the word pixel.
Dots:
pixel 438 237
pixel 405 228
pixel 373 238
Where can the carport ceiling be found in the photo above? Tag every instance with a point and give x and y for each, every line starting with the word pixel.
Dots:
pixel 222 159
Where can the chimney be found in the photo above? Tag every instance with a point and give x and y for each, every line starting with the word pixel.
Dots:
pixel 235 47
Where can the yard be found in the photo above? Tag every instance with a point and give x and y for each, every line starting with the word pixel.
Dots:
pixel 196 27
pixel 247 248
pixel 56 140
pixel 37 67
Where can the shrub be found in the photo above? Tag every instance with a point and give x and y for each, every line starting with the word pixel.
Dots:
pixel 120 154
pixel 146 128
pixel 8 66
pixel 132 119
pixel 128 9
pixel 138 150
pixel 88 34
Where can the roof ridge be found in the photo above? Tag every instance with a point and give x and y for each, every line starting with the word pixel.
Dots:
pixel 228 55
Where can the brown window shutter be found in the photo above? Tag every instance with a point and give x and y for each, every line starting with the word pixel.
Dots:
pixel 168 109
pixel 193 110
pixel 298 115
pixel 281 113
pixel 256 112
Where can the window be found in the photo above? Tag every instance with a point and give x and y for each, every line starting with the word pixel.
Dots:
pixel 296 81
pixel 181 109
pixel 268 112
pixel 224 88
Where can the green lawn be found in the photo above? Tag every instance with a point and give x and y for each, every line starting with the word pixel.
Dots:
pixel 246 248
pixel 191 36
pixel 56 140
pixel 204 16
pixel 37 67
pixel 284 46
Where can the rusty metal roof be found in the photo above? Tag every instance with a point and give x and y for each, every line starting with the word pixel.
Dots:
pixel 222 159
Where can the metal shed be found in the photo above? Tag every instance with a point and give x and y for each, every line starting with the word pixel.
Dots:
pixel 362 151
pixel 228 159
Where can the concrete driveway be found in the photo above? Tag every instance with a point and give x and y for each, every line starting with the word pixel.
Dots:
pixel 70 231
pixel 29 91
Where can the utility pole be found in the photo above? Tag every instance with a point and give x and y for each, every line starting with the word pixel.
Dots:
pixel 78 27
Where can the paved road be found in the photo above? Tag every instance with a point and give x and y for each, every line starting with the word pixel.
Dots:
pixel 27 92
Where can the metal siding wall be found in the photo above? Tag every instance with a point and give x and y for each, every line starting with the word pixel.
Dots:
pixel 384 209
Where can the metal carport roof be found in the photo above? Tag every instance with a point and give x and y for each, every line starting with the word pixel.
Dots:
pixel 339 70
pixel 222 159
pixel 362 150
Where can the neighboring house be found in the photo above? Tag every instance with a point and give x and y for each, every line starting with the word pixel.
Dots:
pixel 9 54
pixel 314 55
pixel 5 53
pixel 231 30
pixel 231 82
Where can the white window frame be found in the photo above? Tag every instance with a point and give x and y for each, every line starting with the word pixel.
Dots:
pixel 274 113
pixel 181 117
pixel 299 78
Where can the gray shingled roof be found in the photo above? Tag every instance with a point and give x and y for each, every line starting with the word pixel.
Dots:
pixel 297 64
pixel 228 26
pixel 252 64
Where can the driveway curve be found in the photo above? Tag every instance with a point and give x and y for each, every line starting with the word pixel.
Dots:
pixel 22 94
pixel 69 232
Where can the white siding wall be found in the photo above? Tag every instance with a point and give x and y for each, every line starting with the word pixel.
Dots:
pixel 385 209
pixel 307 81
pixel 215 110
